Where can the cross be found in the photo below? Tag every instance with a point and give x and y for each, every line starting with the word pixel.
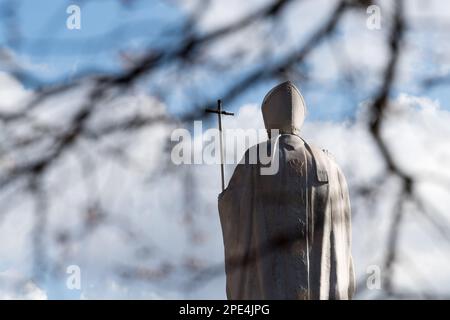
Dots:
pixel 220 112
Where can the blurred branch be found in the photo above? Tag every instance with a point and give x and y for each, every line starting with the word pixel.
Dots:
pixel 434 81
pixel 276 70
pixel 379 108
pixel 190 42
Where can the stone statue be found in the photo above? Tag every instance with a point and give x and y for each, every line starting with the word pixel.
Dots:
pixel 287 235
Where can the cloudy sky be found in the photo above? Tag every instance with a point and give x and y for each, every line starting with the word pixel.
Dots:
pixel 158 225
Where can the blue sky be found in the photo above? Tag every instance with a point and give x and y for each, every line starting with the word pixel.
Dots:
pixel 54 53
pixel 42 25
pixel 111 27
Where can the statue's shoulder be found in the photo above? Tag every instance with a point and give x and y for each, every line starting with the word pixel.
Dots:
pixel 320 152
pixel 325 162
pixel 328 154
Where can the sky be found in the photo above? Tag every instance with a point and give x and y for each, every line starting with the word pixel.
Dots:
pixel 156 235
pixel 160 238
pixel 47 42
pixel 111 30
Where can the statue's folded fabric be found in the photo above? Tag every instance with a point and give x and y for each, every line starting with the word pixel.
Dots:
pixel 287 235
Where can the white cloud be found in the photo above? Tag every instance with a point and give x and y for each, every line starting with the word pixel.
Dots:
pixel 15 287
pixel 11 93
pixel 168 226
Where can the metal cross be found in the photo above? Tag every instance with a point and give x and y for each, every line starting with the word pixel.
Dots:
pixel 220 112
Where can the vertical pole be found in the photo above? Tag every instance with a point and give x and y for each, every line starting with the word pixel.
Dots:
pixel 219 108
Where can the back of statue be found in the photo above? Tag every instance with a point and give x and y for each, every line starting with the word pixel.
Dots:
pixel 287 232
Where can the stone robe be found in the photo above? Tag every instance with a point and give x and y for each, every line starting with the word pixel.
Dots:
pixel 287 235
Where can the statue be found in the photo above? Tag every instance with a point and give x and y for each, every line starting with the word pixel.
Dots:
pixel 287 235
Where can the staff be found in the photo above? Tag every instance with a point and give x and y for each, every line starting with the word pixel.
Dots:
pixel 220 112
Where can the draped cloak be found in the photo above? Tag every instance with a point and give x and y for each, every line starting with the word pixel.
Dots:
pixel 287 235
